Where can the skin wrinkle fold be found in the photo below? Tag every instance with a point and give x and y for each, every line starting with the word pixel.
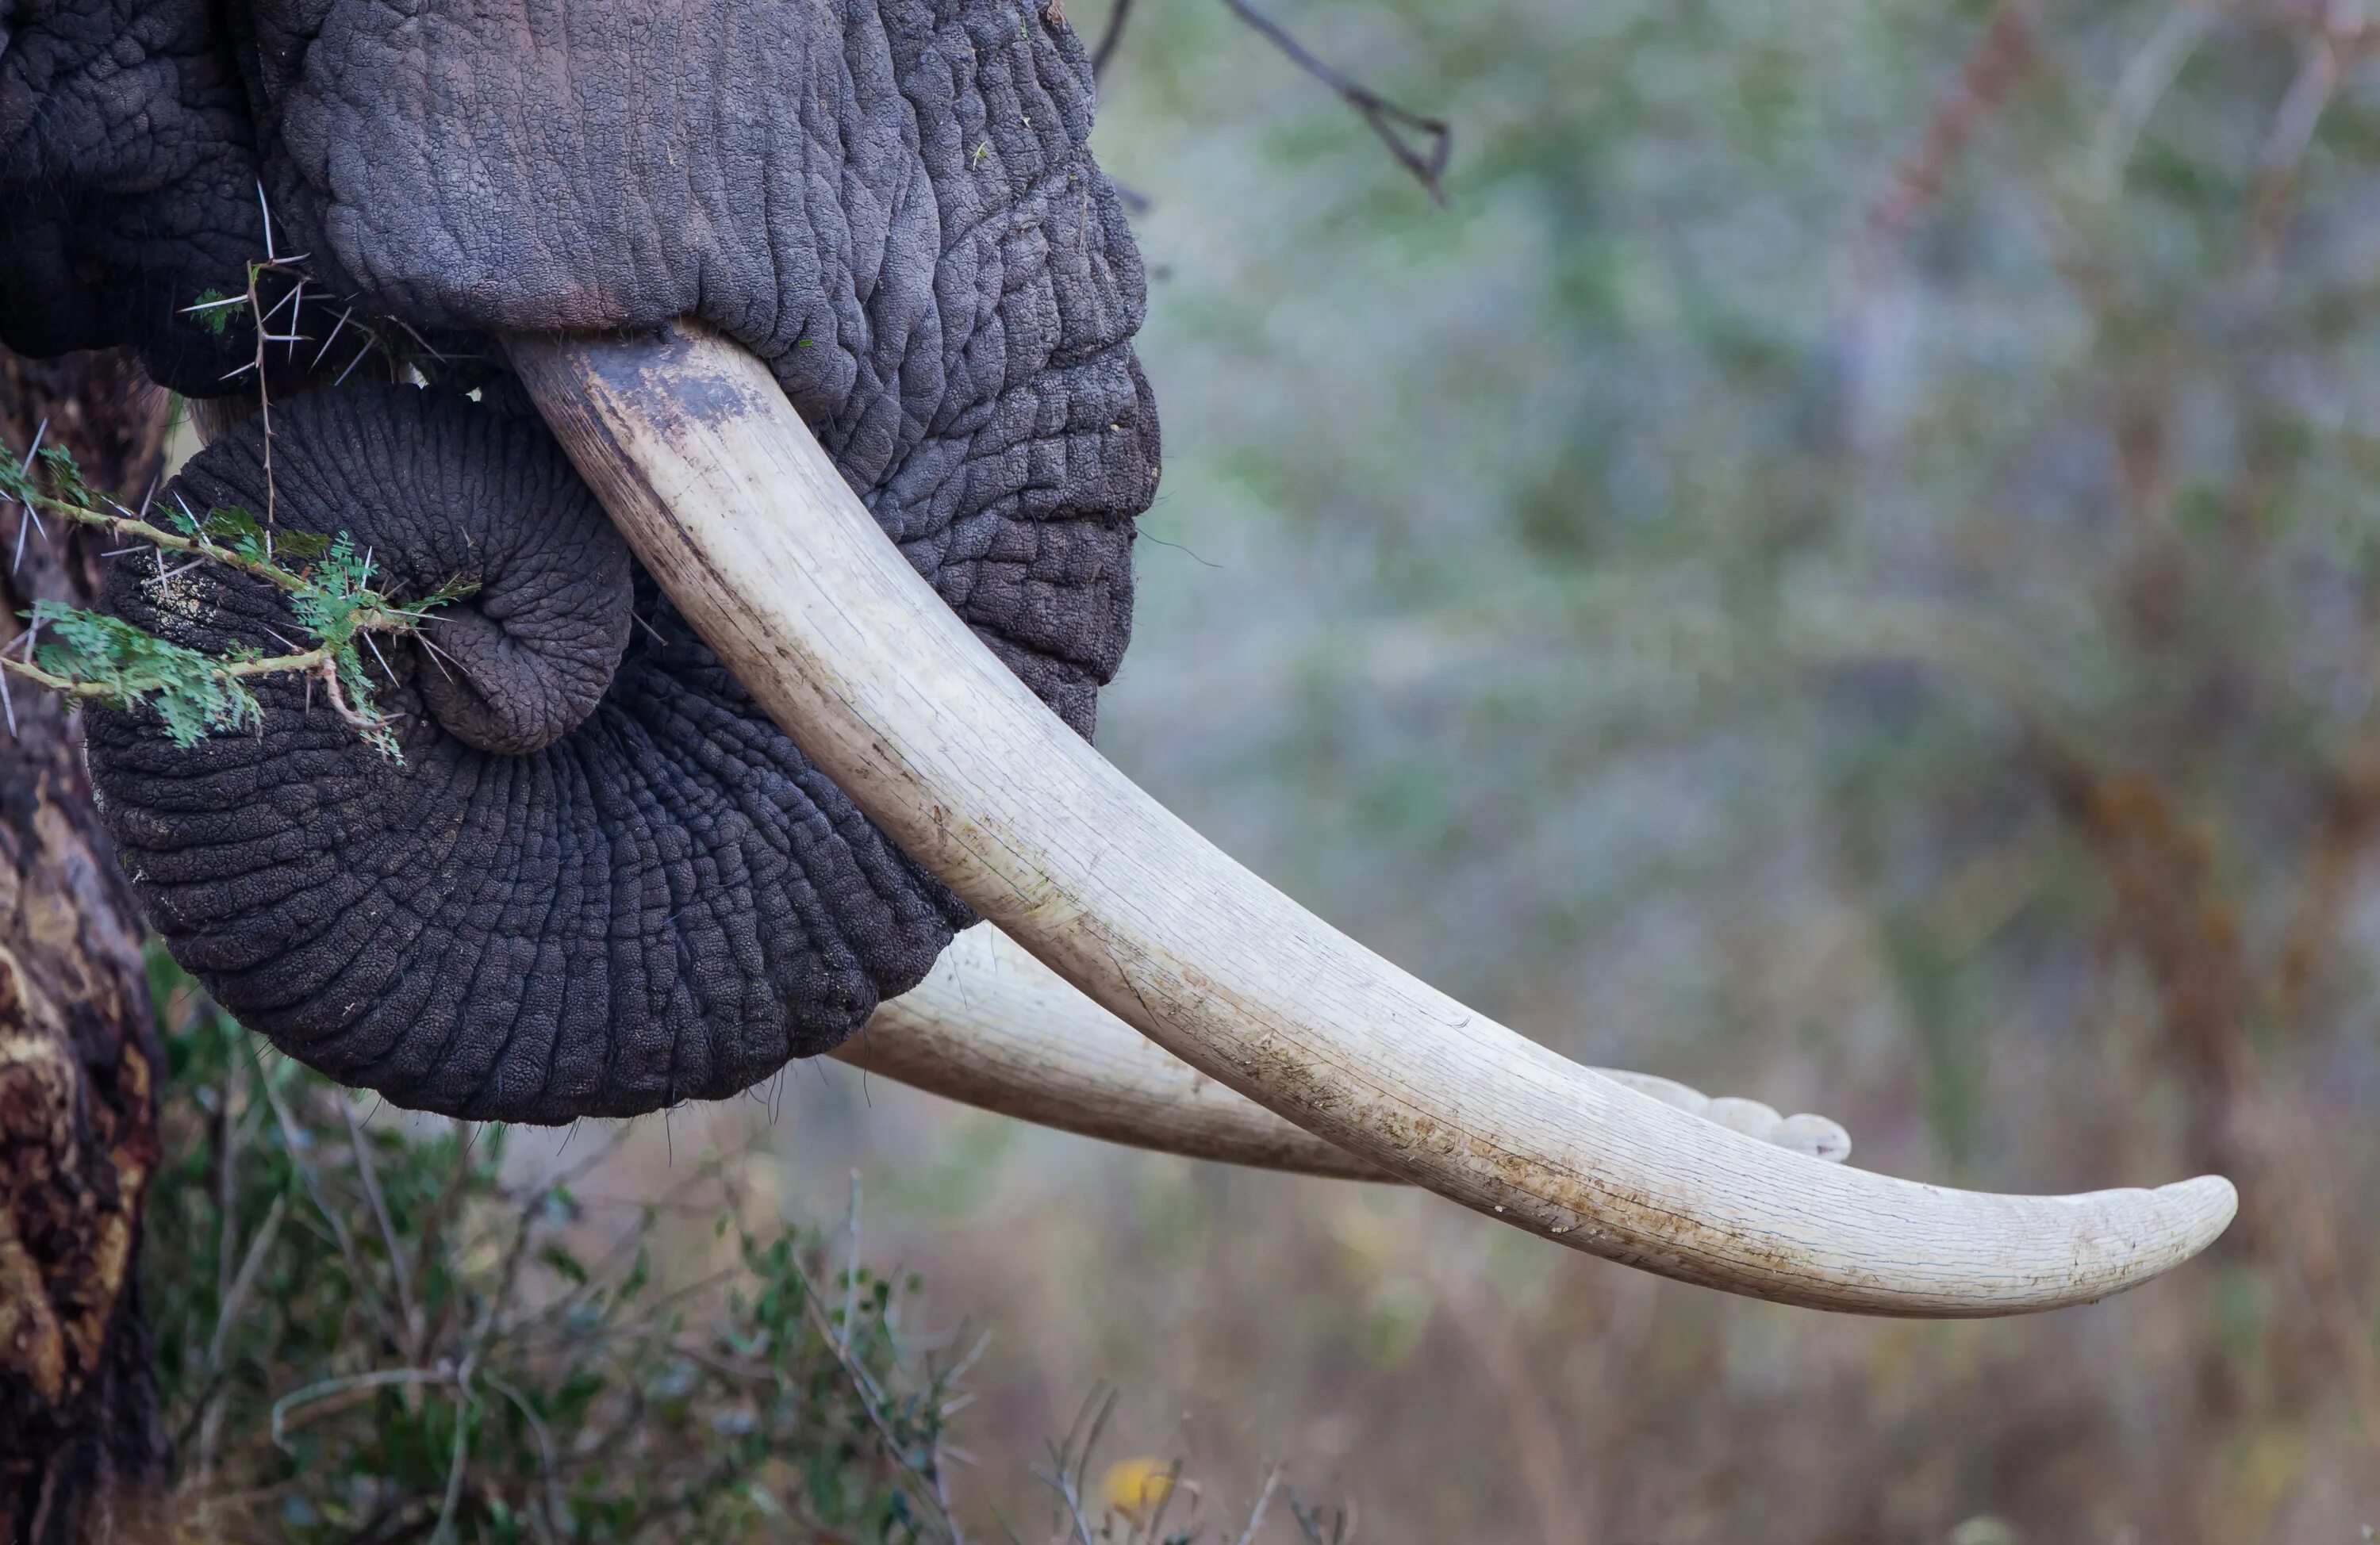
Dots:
pixel 482 931
pixel 448 877
pixel 401 1058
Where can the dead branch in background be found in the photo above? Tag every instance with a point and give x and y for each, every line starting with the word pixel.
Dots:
pixel 2335 39
pixel 2157 863
pixel 1421 143
pixel 1533 1426
pixel 1118 17
pixel 2000 58
pixel 2161 870
pixel 2170 906
pixel 2351 821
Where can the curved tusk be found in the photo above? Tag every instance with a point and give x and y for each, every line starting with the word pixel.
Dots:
pixel 747 525
pixel 994 1028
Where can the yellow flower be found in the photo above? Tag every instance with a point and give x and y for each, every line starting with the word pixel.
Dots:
pixel 1137 1486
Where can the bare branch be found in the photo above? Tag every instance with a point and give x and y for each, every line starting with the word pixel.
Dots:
pixel 1420 143
pixel 2001 56
pixel 1263 1500
pixel 1119 16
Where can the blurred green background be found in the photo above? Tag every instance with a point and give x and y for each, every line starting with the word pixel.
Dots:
pixel 1840 566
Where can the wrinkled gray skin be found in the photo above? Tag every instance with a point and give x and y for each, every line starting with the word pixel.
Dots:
pixel 892 203
pixel 128 182
pixel 598 882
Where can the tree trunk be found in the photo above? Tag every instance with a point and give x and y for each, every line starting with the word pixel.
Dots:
pixel 83 1453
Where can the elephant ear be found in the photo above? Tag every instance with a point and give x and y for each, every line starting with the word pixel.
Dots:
pixel 127 183
pixel 893 203
pixel 598 882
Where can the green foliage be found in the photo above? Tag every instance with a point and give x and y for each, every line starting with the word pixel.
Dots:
pixel 215 309
pixel 382 1330
pixel 63 477
pixel 240 532
pixel 326 584
pixel 186 689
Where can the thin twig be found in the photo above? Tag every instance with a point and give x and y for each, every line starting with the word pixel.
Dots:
pixel 1061 1484
pixel 1119 15
pixel 433 1232
pixel 329 673
pixel 121 524
pixel 227 1315
pixel 369 1172
pixel 312 1395
pixel 1263 1500
pixel 445 1532
pixel 870 1400
pixel 229 1304
pixel 295 1142
pixel 27 519
pixel 1309 1522
pixel 363 352
pixel 1091 1438
pixel 2282 156
pixel 2002 53
pixel 557 1509
pixel 263 389
pixel 2145 78
pixel 373 644
pixel 1399 127
pixel 851 1262
pixel 1164 1500
pixel 336 328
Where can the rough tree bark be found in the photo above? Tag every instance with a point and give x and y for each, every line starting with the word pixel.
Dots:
pixel 83 1453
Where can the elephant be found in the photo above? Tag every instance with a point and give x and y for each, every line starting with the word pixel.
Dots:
pixel 829 310
pixel 963 340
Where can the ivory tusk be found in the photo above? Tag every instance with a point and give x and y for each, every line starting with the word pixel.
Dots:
pixel 745 523
pixel 993 1027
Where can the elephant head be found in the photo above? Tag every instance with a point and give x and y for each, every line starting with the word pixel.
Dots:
pixel 832 307
pixel 955 317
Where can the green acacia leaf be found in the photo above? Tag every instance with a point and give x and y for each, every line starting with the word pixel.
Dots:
pixel 186 689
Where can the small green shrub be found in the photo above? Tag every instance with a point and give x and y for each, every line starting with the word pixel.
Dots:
pixel 378 1331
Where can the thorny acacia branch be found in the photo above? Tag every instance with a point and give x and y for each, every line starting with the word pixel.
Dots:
pixel 226 671
pixel 328 585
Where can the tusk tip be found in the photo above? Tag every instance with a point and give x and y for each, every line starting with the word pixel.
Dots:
pixel 2199 1210
pixel 2158 1230
pixel 2081 1249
